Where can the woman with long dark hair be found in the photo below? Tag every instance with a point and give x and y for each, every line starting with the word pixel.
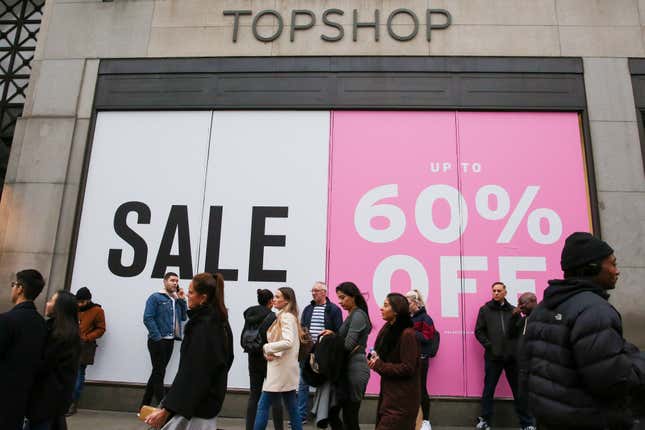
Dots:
pixel 281 352
pixel 259 317
pixel 197 393
pixel 349 390
pixel 52 392
pixel 396 359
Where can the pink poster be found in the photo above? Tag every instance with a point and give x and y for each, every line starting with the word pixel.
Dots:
pixel 448 202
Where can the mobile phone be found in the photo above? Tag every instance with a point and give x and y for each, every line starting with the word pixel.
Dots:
pixel 145 411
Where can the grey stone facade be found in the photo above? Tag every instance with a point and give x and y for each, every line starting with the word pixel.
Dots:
pixel 38 207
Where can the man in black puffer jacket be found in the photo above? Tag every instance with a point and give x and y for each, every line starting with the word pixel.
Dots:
pixel 582 371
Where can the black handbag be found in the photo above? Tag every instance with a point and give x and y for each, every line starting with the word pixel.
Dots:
pixel 88 349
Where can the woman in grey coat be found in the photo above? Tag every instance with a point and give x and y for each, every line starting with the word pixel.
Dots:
pixel 350 389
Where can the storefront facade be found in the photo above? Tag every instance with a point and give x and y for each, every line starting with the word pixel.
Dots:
pixel 434 145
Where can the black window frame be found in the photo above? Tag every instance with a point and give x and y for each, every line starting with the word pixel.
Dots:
pixel 342 83
pixel 637 72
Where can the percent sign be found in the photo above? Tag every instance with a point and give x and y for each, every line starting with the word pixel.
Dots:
pixel 512 224
pixel 368 209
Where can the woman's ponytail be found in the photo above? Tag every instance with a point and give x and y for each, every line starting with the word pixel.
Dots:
pixel 212 285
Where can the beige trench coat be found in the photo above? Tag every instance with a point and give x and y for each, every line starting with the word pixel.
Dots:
pixel 283 373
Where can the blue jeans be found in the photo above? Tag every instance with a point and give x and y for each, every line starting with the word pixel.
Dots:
pixel 80 381
pixel 303 398
pixel 266 400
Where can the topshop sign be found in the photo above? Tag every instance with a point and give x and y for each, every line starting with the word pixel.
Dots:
pixel 333 29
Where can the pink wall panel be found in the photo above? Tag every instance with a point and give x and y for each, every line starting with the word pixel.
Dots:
pixel 443 201
pixel 535 160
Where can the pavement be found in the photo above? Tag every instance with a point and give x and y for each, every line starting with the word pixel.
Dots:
pixel 106 420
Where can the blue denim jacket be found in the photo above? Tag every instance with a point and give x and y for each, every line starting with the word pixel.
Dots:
pixel 157 316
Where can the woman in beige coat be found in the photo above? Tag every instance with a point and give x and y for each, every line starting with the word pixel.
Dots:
pixel 281 352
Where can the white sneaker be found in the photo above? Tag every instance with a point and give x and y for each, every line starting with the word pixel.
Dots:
pixel 482 424
pixel 426 425
pixel 529 428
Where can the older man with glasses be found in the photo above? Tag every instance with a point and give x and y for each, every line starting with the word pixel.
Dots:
pixel 319 315
pixel 22 340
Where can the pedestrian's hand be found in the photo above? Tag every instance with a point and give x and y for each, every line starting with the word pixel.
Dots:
pixel 158 418
pixel 517 310
pixel 326 332
pixel 270 357
pixel 181 294
pixel 372 361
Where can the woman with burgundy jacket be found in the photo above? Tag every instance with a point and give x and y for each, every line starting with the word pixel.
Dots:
pixel 396 359
pixel 425 331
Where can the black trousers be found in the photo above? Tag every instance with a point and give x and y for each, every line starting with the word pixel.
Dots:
pixel 494 370
pixel 350 416
pixel 56 423
pixel 425 399
pixel 255 390
pixel 160 353
pixel 12 422
pixel 522 399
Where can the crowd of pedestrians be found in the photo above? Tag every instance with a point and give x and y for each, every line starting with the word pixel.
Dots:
pixel 43 363
pixel 565 358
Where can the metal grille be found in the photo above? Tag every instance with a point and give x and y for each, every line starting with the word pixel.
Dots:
pixel 19 25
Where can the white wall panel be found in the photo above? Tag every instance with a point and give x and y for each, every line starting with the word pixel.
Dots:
pixel 158 159
pixel 265 159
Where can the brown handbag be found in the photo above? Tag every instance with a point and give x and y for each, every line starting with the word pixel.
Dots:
pixel 306 345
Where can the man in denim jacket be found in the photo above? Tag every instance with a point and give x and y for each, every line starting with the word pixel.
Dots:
pixel 163 316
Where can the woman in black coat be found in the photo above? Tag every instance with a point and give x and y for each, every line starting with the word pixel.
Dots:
pixel 197 393
pixel 51 394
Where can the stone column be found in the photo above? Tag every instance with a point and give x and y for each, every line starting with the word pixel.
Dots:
pixel 38 206
pixel 620 181
pixel 41 187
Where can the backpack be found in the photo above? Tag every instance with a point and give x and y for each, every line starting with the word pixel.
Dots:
pixel 252 339
pixel 434 344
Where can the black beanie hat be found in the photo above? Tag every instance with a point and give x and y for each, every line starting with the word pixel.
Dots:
pixel 583 248
pixel 83 294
